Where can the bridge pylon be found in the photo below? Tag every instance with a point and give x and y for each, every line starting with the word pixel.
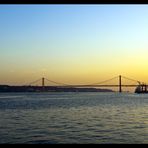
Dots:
pixel 43 83
pixel 120 84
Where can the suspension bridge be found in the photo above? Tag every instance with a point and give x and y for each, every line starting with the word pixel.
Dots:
pixel 119 85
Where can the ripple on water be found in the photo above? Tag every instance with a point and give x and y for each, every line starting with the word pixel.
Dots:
pixel 73 118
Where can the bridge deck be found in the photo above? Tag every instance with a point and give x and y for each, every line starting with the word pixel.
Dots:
pixel 96 86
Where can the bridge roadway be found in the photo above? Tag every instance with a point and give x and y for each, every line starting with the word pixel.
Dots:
pixel 96 85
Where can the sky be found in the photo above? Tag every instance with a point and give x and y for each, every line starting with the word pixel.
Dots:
pixel 74 44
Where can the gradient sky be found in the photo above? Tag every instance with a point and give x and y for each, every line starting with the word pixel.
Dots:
pixel 73 43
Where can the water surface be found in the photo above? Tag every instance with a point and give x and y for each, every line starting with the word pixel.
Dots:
pixel 73 118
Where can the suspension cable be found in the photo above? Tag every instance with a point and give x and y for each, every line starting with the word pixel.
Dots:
pixel 33 82
pixel 104 81
pixel 130 79
pixel 85 84
pixel 57 82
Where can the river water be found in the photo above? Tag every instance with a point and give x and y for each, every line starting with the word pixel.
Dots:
pixel 52 118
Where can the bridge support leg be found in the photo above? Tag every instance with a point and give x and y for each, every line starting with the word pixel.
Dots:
pixel 43 83
pixel 120 85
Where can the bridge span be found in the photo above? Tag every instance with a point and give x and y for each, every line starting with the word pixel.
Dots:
pixel 142 85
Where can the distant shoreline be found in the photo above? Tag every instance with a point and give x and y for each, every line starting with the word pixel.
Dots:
pixel 7 88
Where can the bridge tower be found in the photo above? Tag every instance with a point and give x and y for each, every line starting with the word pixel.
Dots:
pixel 43 83
pixel 120 84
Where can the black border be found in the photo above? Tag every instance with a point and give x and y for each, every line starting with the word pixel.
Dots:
pixel 73 2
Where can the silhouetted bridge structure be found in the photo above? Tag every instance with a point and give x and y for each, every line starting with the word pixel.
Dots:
pixel 142 85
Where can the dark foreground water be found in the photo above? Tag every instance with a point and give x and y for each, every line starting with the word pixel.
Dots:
pixel 73 118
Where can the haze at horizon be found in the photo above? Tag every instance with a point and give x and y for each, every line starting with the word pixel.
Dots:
pixel 73 43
